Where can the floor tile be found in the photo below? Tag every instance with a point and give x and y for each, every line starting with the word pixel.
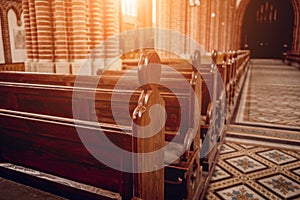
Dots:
pixel 245 164
pixel 281 185
pixel 240 192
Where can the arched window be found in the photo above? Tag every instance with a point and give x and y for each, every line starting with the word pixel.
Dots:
pixel 266 13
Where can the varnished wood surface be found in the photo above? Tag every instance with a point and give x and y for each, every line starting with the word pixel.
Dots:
pixel 50 97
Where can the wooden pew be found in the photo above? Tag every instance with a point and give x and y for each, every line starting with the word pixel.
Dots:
pixel 211 95
pixel 218 59
pixel 108 81
pixel 183 175
pixel 243 59
pixel 188 164
pixel 236 67
pixel 292 58
pixel 230 83
pixel 209 123
pixel 38 131
pixel 208 81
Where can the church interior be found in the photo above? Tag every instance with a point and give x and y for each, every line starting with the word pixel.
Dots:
pixel 150 99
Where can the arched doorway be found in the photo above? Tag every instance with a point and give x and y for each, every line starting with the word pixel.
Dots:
pixel 268 28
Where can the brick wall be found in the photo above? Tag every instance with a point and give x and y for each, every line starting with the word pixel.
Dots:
pixel 60 34
pixel 210 24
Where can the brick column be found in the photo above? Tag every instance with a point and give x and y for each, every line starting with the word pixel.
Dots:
pixel 178 22
pixel 28 36
pixel 111 27
pixel 208 26
pixel 78 36
pixel 60 37
pixel 173 15
pixel 196 24
pixel 216 25
pixel 202 25
pixel 163 21
pixel 45 36
pixel 95 24
pixel 230 27
pixel 32 29
pixel 221 25
pixel 96 32
pixel 212 24
pixel 61 33
pixel 6 38
pixel 225 19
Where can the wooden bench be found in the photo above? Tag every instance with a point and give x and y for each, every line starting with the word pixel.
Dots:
pixel 292 58
pixel 189 164
pixel 237 63
pixel 183 175
pixel 207 82
pixel 38 132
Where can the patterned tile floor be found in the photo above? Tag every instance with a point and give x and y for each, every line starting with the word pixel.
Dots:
pixel 255 172
pixel 253 168
pixel 271 95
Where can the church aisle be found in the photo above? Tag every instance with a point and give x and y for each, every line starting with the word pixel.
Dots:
pixel 260 158
pixel 271 95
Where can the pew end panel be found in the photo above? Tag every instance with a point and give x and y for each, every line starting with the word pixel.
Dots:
pixel 149 185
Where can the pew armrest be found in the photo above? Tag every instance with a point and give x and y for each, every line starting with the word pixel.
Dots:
pixel 209 113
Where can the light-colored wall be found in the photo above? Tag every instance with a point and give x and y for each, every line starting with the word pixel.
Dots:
pixel 17 37
pixel 2 60
pixel 238 3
